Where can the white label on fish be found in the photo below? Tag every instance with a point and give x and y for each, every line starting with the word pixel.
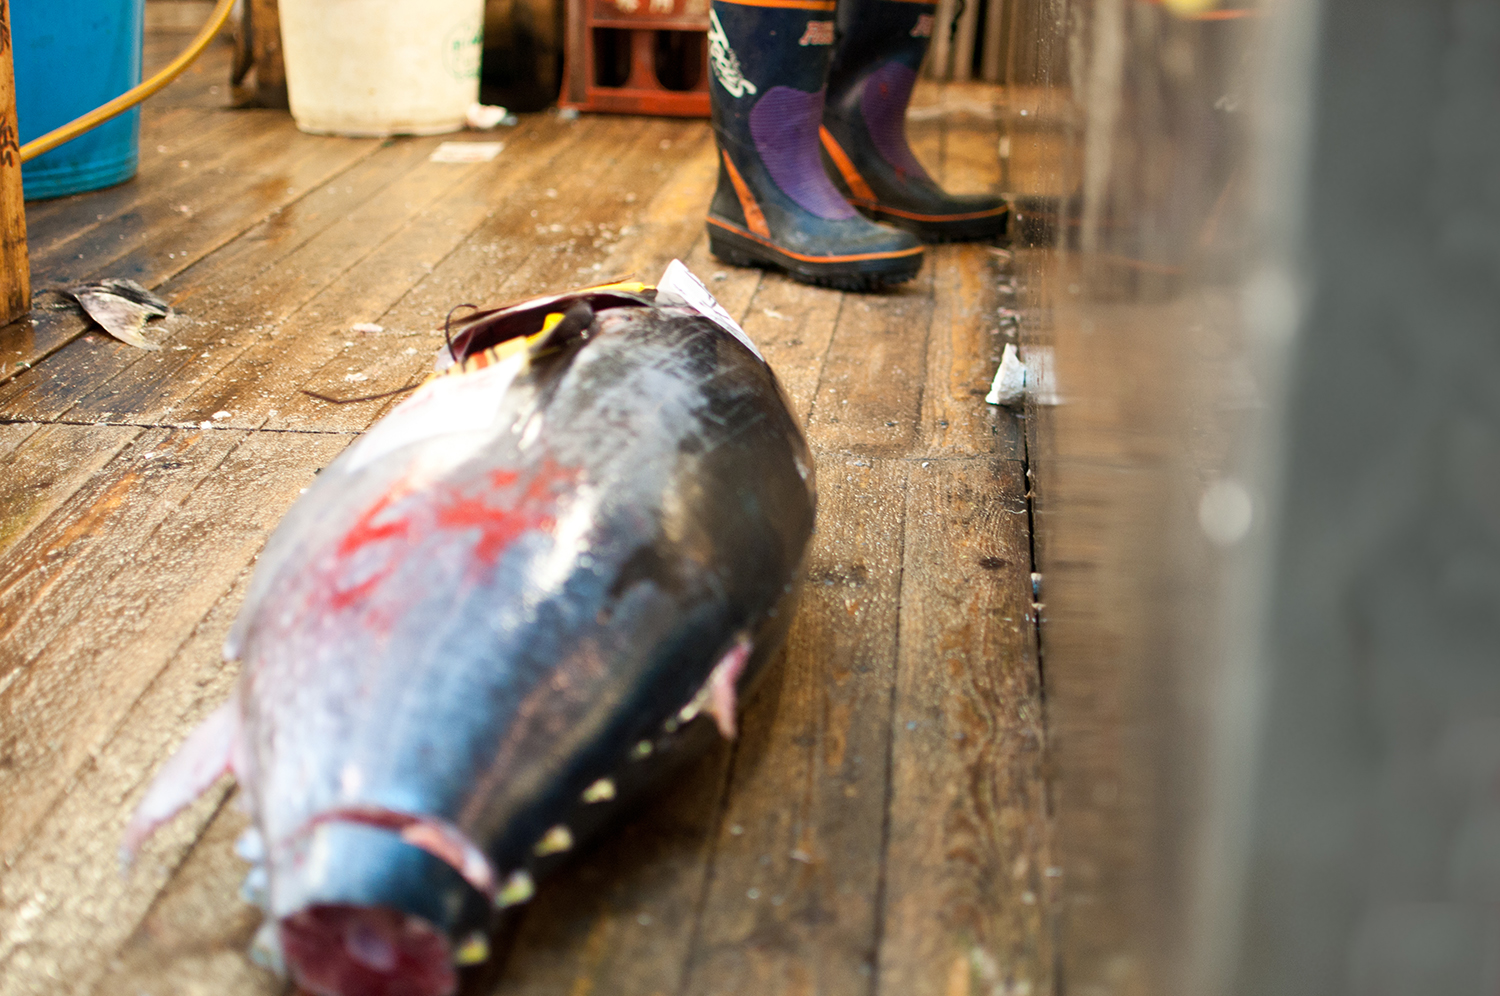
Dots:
pixel 679 286
pixel 444 405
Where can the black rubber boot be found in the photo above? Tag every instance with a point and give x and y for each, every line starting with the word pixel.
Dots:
pixel 775 205
pixel 875 60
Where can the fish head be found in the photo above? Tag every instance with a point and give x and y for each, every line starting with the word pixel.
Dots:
pixel 371 905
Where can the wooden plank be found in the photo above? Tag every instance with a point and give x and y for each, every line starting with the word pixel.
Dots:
pixel 13 434
pixel 143 601
pixel 175 128
pixel 669 223
pixel 539 240
pixel 15 269
pixel 925 126
pixel 870 391
pixel 313 247
pixel 46 580
pixel 195 170
pixel 45 465
pixel 260 385
pixel 791 906
pixel 629 164
pixel 202 83
pixel 65 906
pixel 498 237
pixel 967 870
pixel 249 278
pixel 171 242
pixel 971 163
pixel 793 325
pixel 621 920
pixel 167 17
pixel 194 937
pixel 963 351
pixel 280 171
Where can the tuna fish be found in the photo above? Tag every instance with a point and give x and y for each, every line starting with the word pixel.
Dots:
pixel 495 619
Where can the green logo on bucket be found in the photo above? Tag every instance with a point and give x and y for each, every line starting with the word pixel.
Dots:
pixel 461 50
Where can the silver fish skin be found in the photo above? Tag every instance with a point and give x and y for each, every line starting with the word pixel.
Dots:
pixel 500 615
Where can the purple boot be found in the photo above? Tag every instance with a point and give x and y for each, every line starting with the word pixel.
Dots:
pixel 775 205
pixel 875 61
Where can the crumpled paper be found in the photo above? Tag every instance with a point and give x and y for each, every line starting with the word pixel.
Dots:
pixel 1009 386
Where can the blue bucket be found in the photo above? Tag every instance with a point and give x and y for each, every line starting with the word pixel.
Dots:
pixel 71 56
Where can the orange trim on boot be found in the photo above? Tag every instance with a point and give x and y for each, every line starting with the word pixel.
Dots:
pixel 823 5
pixel 804 257
pixel 966 216
pixel 754 216
pixel 857 185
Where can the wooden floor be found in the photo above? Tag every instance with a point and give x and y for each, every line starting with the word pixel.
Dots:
pixel 881 824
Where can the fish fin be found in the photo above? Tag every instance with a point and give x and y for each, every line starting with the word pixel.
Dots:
pixel 722 683
pixel 206 754
pixel 121 307
pixel 265 948
pixel 436 836
pixel 448 844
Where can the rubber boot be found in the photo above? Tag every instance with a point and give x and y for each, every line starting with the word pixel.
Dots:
pixel 775 205
pixel 875 62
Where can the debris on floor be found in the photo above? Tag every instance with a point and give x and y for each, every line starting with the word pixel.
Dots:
pixel 121 307
pixel 466 152
pixel 1010 380
pixel 483 117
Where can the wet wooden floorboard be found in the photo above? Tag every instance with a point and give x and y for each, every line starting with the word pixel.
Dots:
pixel 880 824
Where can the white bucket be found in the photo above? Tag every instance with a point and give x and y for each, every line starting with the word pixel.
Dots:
pixel 381 67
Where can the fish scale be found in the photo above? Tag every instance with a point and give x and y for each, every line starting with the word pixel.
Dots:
pixel 505 613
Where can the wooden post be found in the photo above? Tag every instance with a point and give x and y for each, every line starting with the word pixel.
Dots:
pixel 270 74
pixel 994 34
pixel 963 43
pixel 15 264
pixel 257 42
pixel 940 57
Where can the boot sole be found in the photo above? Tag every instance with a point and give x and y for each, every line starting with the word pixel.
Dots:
pixel 936 229
pixel 855 272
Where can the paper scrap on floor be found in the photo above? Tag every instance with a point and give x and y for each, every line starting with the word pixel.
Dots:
pixel 1010 380
pixel 466 152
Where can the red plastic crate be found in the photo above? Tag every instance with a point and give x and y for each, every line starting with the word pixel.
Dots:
pixel 637 57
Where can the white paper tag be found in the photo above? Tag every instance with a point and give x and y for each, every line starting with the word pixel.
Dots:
pixel 1009 386
pixel 679 286
pixel 444 405
pixel 465 152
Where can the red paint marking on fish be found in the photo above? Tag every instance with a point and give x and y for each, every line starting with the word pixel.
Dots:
pixel 499 518
pixel 500 525
pixel 366 530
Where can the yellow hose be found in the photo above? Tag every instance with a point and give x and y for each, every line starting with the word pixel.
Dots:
pixel 130 98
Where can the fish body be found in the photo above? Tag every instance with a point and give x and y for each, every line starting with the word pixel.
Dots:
pixel 498 616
